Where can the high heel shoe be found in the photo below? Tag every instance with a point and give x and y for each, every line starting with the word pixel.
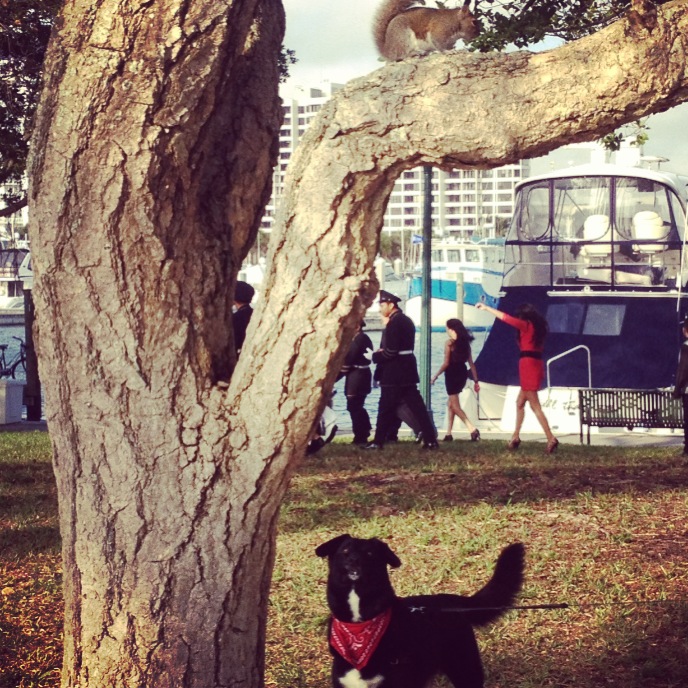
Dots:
pixel 475 435
pixel 552 446
pixel 513 445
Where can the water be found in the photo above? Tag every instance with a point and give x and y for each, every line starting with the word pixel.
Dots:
pixel 438 394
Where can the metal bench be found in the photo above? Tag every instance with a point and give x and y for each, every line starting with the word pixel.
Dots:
pixel 628 408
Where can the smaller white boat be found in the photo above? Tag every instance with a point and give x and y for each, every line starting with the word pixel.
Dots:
pixel 463 274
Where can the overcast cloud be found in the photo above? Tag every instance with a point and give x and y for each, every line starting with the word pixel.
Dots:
pixel 333 42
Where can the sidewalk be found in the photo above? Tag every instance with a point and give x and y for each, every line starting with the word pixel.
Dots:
pixel 25 426
pixel 613 438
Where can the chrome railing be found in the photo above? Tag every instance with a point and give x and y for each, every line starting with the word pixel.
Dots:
pixel 566 353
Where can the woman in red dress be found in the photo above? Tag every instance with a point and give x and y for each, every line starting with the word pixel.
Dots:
pixel 531 328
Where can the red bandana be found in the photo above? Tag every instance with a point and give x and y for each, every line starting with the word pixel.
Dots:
pixel 356 642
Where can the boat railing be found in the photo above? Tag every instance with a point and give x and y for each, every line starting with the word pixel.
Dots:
pixel 566 353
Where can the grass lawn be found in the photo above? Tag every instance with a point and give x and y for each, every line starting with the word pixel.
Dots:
pixel 605 528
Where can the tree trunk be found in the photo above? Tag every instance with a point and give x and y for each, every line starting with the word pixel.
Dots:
pixel 152 161
pixel 151 164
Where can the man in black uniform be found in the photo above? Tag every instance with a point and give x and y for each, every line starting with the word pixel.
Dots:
pixel 243 294
pixel 681 386
pixel 358 383
pixel 399 376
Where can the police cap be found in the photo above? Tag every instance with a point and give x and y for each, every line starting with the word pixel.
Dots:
pixel 244 292
pixel 388 297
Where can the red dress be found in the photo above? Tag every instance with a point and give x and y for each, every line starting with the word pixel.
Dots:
pixel 531 369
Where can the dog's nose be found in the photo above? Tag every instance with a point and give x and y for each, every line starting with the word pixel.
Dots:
pixel 352 565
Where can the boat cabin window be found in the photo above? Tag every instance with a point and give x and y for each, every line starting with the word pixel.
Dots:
pixel 618 231
pixel 437 256
pixel 565 318
pixel 604 319
pixel 635 196
pixel 472 255
pixel 453 256
pixel 676 211
pixel 531 219
pixel 575 200
pixel 588 319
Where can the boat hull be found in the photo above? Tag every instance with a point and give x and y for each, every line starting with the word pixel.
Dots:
pixel 617 339
pixel 494 408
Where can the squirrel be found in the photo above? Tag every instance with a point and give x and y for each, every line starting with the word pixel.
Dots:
pixel 401 29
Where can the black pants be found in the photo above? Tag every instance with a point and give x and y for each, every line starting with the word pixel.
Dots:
pixel 393 430
pixel 360 420
pixel 404 415
pixel 391 398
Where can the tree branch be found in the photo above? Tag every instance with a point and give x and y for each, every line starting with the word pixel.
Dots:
pixel 13 207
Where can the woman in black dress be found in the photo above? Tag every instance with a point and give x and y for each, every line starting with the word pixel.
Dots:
pixel 457 354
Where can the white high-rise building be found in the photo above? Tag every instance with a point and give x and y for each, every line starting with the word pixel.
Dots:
pixel 465 202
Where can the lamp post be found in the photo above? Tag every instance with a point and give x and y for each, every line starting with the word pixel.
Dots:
pixel 425 299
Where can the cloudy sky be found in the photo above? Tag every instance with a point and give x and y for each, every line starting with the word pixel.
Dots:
pixel 333 43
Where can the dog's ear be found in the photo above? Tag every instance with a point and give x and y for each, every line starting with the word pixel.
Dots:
pixel 331 546
pixel 390 558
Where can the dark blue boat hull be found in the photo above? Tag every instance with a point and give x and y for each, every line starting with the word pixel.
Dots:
pixel 640 353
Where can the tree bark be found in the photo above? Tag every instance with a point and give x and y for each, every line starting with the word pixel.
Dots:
pixel 152 158
pixel 151 164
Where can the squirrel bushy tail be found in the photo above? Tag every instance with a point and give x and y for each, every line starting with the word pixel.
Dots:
pixel 384 15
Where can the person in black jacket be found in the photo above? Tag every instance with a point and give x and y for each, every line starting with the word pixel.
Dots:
pixel 357 386
pixel 403 413
pixel 399 375
pixel 681 386
pixel 243 294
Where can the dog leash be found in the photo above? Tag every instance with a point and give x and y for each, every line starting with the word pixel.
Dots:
pixel 558 605
pixel 466 610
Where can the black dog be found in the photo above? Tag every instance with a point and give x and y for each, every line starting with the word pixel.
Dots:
pixel 379 640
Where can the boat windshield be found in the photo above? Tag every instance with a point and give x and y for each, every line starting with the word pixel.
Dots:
pixel 621 231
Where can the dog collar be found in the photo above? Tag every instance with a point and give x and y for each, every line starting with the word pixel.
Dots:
pixel 356 642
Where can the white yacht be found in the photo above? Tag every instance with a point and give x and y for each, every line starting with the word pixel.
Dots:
pixel 599 250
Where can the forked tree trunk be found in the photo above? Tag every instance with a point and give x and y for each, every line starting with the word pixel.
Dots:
pixel 150 168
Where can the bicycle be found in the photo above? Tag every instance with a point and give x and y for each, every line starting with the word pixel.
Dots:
pixel 19 359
